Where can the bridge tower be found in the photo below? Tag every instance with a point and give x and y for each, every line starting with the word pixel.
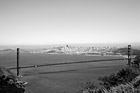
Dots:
pixel 129 54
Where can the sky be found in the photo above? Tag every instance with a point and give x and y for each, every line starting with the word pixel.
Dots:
pixel 42 22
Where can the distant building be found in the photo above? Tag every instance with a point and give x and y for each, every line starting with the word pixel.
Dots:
pixel 67 46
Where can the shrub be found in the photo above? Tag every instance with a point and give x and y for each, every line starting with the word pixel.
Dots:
pixel 8 85
pixel 129 87
pixel 122 77
pixel 91 88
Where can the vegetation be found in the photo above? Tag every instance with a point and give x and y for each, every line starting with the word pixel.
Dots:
pixel 123 76
pixel 8 85
pixel 9 82
pixel 125 81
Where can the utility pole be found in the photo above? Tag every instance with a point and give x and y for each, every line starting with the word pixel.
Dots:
pixel 129 54
pixel 17 61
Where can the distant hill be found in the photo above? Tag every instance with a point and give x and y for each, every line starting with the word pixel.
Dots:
pixel 124 51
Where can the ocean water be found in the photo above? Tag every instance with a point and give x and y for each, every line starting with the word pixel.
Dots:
pixel 9 60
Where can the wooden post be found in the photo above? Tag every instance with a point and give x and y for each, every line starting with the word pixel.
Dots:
pixel 17 61
pixel 129 54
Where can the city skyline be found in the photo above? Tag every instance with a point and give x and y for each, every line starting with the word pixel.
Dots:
pixel 42 22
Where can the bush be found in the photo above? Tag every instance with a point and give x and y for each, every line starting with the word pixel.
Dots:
pixel 122 77
pixel 91 88
pixel 131 85
pixel 8 85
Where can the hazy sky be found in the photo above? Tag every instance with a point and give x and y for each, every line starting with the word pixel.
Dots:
pixel 69 21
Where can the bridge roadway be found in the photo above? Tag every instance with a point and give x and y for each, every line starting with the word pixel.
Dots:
pixel 64 63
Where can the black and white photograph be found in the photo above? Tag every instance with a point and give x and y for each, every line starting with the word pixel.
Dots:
pixel 69 46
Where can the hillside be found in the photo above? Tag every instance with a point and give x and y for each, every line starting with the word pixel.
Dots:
pixel 9 82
